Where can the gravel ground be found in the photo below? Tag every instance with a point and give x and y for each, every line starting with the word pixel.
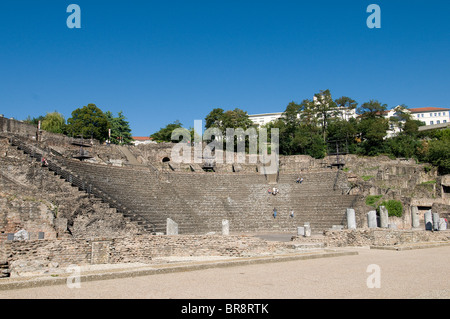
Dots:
pixel 419 273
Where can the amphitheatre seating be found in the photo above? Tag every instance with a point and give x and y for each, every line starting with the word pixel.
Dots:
pixel 199 201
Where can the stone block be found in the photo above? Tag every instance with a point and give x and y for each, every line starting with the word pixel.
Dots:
pixel 384 217
pixel 435 218
pixel 415 217
pixel 428 220
pixel 171 227
pixel 351 219
pixel 21 235
pixel 372 219
pixel 307 230
pixel 300 231
pixel 225 227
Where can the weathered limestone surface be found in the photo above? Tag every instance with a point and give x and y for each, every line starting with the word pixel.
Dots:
pixel 378 237
pixel 65 252
pixel 372 219
pixel 172 227
pixel 384 217
pixel 351 218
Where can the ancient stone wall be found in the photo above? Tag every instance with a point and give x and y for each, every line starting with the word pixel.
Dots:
pixel 378 237
pixel 65 252
pixel 33 199
pixel 17 127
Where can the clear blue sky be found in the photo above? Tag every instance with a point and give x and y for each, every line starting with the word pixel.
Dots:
pixel 161 61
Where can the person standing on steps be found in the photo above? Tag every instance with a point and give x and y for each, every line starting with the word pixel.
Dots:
pixel 274 213
pixel 291 214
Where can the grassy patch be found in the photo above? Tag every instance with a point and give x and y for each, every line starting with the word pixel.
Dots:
pixel 371 200
pixel 394 207
pixel 367 177
pixel 428 183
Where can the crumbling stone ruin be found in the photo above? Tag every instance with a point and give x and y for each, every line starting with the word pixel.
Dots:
pixel 64 200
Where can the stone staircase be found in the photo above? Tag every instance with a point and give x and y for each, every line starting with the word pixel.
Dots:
pixel 98 200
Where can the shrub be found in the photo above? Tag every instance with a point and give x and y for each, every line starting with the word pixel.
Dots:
pixel 394 207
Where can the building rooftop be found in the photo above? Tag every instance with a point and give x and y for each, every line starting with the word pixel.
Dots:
pixel 428 109
pixel 266 114
pixel 141 138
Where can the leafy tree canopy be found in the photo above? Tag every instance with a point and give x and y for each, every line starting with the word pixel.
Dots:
pixel 165 133
pixel 120 128
pixel 88 121
pixel 54 122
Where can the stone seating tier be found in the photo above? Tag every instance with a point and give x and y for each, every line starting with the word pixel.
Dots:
pixel 199 201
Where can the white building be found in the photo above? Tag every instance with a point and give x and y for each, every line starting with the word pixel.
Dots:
pixel 431 115
pixel 263 119
pixel 428 115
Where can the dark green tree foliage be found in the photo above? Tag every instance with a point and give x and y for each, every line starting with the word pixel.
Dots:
pixel 165 133
pixel 437 151
pixel 299 132
pixel 34 120
pixel 120 128
pixel 346 102
pixel 214 118
pixel 231 119
pixel 325 110
pixel 222 120
pixel 373 127
pixel 88 121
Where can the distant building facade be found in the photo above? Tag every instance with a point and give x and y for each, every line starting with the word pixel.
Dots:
pixel 431 115
pixel 263 119
pixel 428 115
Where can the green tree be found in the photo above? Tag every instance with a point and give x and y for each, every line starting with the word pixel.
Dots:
pixel 325 109
pixel 438 151
pixel 34 120
pixel 373 127
pixel 54 122
pixel 165 133
pixel 88 121
pixel 346 102
pixel 403 145
pixel 120 128
pixel 372 109
pixel 344 134
pixel 214 118
pixel 222 120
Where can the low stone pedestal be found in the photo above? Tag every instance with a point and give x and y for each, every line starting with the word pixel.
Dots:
pixel 351 220
pixel 384 217
pixel 171 227
pixel 372 219
pixel 225 227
